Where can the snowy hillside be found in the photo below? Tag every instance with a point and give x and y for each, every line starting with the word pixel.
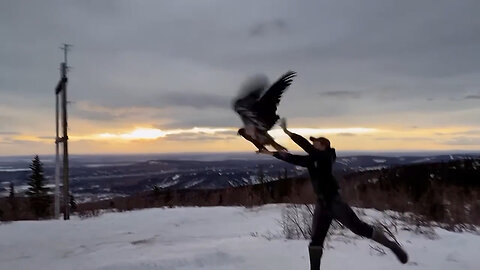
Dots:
pixel 209 238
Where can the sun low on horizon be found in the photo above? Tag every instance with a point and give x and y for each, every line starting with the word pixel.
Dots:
pixel 148 139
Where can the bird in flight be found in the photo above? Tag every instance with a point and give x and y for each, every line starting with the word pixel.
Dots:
pixel 257 107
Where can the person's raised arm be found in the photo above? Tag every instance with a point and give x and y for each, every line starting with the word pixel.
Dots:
pixel 299 140
pixel 298 160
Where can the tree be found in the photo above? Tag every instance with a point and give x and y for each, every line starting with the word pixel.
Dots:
pixel 11 194
pixel 11 199
pixel 283 176
pixel 156 190
pixel 73 202
pixel 37 191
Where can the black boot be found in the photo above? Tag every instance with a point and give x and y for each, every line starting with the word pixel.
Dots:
pixel 380 237
pixel 315 253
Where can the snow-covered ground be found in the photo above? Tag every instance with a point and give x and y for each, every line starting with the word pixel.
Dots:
pixel 210 238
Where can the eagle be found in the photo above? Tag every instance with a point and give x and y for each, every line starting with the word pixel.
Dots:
pixel 257 107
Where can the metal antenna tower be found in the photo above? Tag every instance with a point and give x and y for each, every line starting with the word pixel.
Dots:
pixel 61 89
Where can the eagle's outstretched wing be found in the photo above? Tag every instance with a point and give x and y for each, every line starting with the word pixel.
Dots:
pixel 249 95
pixel 266 107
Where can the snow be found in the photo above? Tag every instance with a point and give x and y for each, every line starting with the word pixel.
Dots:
pixel 209 238
pixel 14 170
pixel 100 165
pixel 193 183
pixel 166 184
pixel 422 160
pixel 372 168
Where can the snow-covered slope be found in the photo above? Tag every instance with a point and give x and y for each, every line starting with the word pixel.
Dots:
pixel 209 238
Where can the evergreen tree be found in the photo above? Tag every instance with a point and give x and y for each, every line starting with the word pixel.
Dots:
pixel 283 176
pixel 73 203
pixel 11 199
pixel 11 195
pixel 261 175
pixel 156 190
pixel 38 193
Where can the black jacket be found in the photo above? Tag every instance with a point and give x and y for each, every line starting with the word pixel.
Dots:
pixel 319 165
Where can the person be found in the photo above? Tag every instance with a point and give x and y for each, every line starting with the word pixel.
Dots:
pixel 330 204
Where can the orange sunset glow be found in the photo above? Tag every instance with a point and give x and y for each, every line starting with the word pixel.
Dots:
pixel 208 139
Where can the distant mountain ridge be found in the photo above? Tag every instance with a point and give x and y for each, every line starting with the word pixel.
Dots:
pixel 99 177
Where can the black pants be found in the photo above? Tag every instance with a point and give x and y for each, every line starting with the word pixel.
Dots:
pixel 336 208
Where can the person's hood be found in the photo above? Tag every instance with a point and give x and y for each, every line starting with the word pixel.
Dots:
pixel 333 154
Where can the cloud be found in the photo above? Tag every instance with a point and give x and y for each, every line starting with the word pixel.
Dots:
pixel 464 140
pixel 112 113
pixel 468 132
pixel 6 141
pixel 347 134
pixel 472 97
pixel 206 119
pixel 155 133
pixel 96 115
pixel 341 94
pixel 225 135
pixel 8 133
pixel 196 100
pixel 46 137
pixel 404 139
pixel 324 131
pixel 268 27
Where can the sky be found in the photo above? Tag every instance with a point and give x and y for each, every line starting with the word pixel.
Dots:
pixel 159 76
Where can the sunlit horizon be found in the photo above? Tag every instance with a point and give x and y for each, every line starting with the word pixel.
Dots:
pixel 144 139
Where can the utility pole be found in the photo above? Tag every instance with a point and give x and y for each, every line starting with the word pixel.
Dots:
pixel 62 89
pixel 57 158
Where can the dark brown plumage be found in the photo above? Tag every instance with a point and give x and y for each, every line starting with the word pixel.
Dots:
pixel 257 107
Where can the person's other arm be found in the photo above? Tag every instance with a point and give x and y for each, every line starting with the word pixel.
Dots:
pixel 298 160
